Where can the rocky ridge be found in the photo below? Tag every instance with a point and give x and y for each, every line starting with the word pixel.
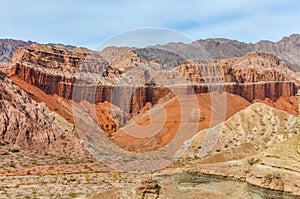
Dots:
pixel 24 122
pixel 9 46
pixel 252 76
pixel 287 49
pixel 112 52
pixel 54 70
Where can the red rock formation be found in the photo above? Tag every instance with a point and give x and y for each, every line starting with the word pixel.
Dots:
pixel 253 76
pixel 105 117
pixel 285 103
pixel 23 121
pixel 251 68
pixel 175 117
pixel 53 69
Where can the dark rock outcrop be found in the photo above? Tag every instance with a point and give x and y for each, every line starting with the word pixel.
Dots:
pixel 288 48
pixel 9 46
pixel 168 58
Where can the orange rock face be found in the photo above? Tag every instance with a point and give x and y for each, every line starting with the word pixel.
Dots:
pixel 253 76
pixel 285 103
pixel 176 116
pixel 120 108
pixel 105 117
pixel 53 69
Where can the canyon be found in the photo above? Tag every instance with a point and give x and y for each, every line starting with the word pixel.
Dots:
pixel 58 70
pixel 227 120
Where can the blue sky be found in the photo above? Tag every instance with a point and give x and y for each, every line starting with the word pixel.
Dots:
pixel 90 22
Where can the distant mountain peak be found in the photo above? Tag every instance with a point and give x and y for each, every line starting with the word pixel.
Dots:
pixel 174 53
pixel 9 46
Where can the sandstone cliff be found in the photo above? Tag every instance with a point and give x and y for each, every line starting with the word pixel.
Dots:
pixel 252 76
pixel 54 69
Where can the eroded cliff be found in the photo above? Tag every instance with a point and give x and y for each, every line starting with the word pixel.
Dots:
pixel 57 70
pixel 252 76
pixel 23 122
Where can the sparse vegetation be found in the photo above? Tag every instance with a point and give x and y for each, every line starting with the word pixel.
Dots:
pixel 115 175
pixel 73 194
pixel 253 160
pixel 5 153
pixel 87 176
pixel 14 150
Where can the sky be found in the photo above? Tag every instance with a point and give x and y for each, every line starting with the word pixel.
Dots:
pixel 89 23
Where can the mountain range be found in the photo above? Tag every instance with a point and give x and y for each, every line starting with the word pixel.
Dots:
pixel 216 118
pixel 288 49
pixel 173 54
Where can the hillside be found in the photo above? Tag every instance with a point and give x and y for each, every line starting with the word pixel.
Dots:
pixel 9 46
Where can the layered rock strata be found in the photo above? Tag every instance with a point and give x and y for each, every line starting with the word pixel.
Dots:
pixel 81 74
